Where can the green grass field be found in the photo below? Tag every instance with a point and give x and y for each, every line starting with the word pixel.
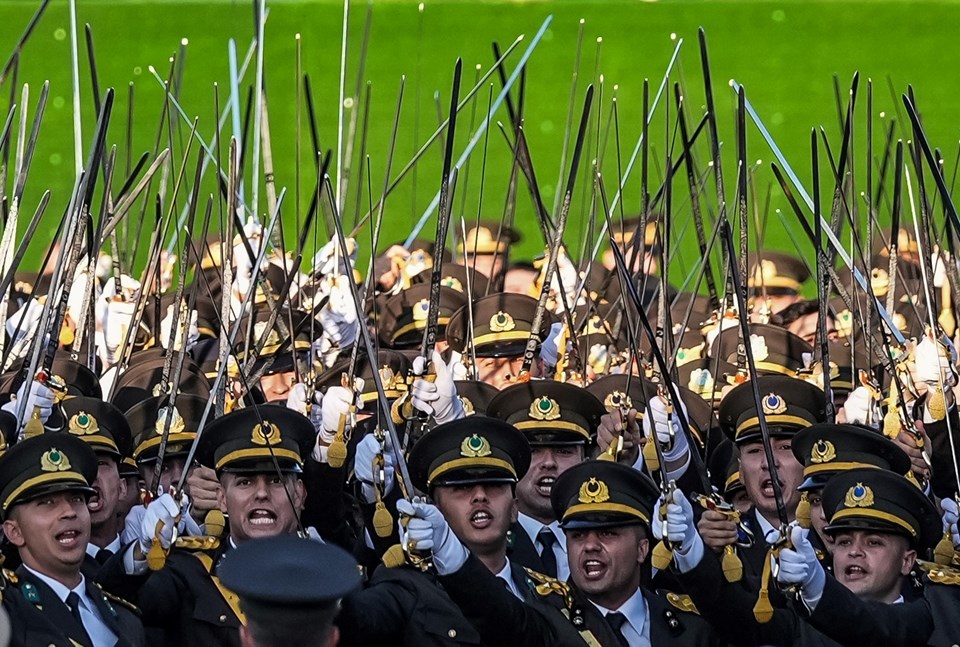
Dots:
pixel 784 53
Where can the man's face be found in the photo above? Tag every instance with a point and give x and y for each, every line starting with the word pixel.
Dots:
pixel 519 280
pixel 480 514
pixel 605 563
pixel 276 386
pixel 257 504
pixel 755 475
pixel 108 489
pixel 501 372
pixel 547 463
pixel 490 265
pixel 872 564
pixel 169 475
pixel 818 518
pixel 51 533
pixel 130 498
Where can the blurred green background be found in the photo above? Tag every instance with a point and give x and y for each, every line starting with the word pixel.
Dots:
pixel 784 53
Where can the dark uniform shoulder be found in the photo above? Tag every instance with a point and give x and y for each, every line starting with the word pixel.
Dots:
pixel 678 601
pixel 111 598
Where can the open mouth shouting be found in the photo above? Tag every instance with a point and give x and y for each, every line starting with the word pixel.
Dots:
pixel 481 519
pixel 70 539
pixel 262 518
pixel 545 485
pixel 593 569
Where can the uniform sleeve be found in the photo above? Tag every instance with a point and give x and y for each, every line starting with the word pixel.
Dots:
pixel 376 615
pixel 853 622
pixel 499 616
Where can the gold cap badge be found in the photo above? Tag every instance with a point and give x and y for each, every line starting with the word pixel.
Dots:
pixel 54 460
pixel 502 322
pixel 859 496
pixel 594 491
pixel 823 451
pixel 544 408
pixel 773 404
pixel 475 447
pixel 82 424
pixel 266 433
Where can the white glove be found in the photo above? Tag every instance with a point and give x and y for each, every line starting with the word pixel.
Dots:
pixel 931 362
pixel 339 316
pixel 367 449
pixel 725 324
pixel 78 290
pixel 297 400
pixel 430 531
pixel 193 334
pixel 39 395
pixel 457 367
pixel 117 320
pixel 30 313
pixel 567 274
pixel 656 420
pixel 678 528
pixel 950 516
pixel 327 258
pixel 439 398
pixel 858 407
pixel 938 261
pixel 799 565
pixel 164 509
pixel 549 349
pixel 104 267
pixel 335 403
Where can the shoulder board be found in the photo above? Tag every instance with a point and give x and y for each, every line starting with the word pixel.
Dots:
pixel 10 577
pixel 938 574
pixel 113 598
pixel 197 543
pixel 545 585
pixel 682 602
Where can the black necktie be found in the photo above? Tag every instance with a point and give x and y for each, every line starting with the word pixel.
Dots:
pixel 103 555
pixel 73 601
pixel 547 557
pixel 616 621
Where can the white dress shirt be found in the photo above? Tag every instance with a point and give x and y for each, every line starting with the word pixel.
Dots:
pixel 506 574
pixel 96 628
pixel 114 547
pixel 636 629
pixel 533 527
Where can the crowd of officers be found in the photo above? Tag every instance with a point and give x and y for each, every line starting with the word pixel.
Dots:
pixel 574 501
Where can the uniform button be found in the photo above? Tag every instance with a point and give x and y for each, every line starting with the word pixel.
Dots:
pixel 223 618
pixel 452 633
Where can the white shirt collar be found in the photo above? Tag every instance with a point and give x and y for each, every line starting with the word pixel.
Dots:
pixel 61 589
pixel 114 547
pixel 532 527
pixel 634 610
pixel 506 574
pixel 770 534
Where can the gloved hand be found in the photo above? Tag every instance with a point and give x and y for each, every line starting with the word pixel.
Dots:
pixel 658 421
pixel 363 467
pixel 243 262
pixel 932 362
pixel 327 258
pixel 430 531
pixel 162 510
pixel 335 403
pixel 950 516
pixel 104 267
pixel 799 565
pixel 938 261
pixel 861 407
pixel 30 313
pixel 725 324
pixel 78 290
pixel 297 400
pixel 339 316
pixel 549 349
pixel 438 398
pixel 193 334
pixel 567 275
pixel 117 320
pixel 38 395
pixel 678 528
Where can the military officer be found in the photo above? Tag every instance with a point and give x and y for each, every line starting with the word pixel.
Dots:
pixel 44 489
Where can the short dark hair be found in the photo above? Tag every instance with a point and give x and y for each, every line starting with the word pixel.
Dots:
pixel 286 629
pixel 794 311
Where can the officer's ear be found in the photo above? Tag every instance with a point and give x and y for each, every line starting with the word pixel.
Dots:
pixel 643 544
pixel 333 637
pixel 908 561
pixel 11 528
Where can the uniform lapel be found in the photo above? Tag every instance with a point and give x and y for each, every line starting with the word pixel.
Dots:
pixel 51 606
pixel 522 550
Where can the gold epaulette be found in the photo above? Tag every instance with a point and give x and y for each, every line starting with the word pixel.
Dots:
pixel 197 543
pixel 545 586
pixel 113 598
pixel 940 574
pixel 682 602
pixel 10 577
